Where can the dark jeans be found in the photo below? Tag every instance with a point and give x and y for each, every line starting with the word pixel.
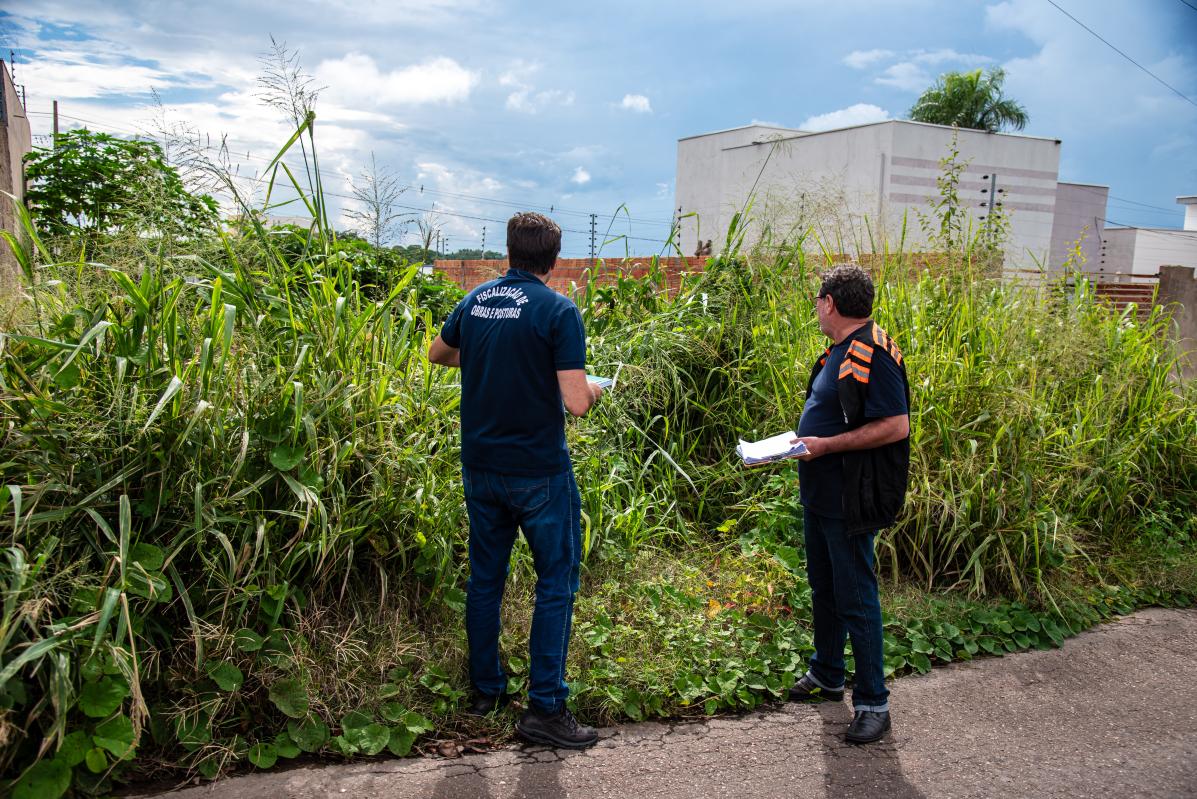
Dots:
pixel 845 603
pixel 548 511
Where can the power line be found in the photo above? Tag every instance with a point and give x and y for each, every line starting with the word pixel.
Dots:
pixel 1124 55
pixel 1190 5
pixel 1188 235
pixel 550 208
pixel 1095 190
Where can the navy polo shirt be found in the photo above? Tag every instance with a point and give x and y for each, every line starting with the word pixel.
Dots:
pixel 821 480
pixel 515 334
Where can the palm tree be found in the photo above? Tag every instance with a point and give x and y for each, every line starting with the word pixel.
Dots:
pixel 970 100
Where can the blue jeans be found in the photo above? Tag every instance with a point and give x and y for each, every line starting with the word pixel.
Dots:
pixel 548 511
pixel 845 603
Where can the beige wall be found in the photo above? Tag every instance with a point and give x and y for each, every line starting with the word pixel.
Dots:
pixel 15 141
pixel 1080 212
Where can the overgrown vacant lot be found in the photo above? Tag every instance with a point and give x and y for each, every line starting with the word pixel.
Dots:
pixel 236 527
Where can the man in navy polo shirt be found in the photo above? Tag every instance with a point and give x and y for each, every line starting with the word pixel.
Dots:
pixel 522 353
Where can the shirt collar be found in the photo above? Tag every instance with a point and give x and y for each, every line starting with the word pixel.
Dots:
pixel 520 273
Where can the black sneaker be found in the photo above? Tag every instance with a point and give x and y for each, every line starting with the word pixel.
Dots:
pixel 805 690
pixel 555 729
pixel 484 704
pixel 867 726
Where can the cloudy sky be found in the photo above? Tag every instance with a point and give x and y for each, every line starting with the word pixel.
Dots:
pixel 485 107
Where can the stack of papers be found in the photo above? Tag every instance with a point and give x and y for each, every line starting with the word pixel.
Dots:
pixel 601 382
pixel 774 448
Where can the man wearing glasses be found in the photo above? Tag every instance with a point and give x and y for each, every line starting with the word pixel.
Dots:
pixel 856 427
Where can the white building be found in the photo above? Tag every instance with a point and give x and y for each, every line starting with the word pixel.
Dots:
pixel 863 188
pixel 1136 254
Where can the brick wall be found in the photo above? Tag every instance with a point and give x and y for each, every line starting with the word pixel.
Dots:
pixel 574 271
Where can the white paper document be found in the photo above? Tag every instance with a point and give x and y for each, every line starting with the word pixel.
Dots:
pixel 601 382
pixel 770 449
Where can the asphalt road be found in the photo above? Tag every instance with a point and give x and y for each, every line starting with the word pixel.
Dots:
pixel 1111 713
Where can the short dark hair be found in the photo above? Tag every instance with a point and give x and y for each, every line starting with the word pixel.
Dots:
pixel 533 242
pixel 851 288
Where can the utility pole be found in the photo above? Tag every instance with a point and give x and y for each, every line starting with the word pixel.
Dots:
pixel 483 242
pixel 54 141
pixel 593 223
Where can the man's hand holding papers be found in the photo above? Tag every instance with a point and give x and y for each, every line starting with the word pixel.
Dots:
pixel 769 450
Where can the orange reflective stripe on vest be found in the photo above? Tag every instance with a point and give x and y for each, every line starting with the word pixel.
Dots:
pixel 862 351
pixel 850 368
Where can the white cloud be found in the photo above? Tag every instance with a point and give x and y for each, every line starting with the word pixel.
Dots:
pixel 525 97
pixel 1057 84
pixel 356 79
pixel 859 114
pixel 583 152
pixel 909 72
pixel 581 176
pixel 442 187
pixel 527 101
pixel 636 102
pixel 456 181
pixel 947 54
pixel 66 74
pixel 1174 147
pixel 860 59
pixel 905 75
pixel 519 73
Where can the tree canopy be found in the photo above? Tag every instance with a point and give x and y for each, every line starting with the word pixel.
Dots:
pixel 970 100
pixel 96 183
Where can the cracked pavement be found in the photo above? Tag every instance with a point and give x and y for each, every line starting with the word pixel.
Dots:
pixel 1111 713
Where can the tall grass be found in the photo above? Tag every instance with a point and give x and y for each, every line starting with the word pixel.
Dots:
pixel 212 460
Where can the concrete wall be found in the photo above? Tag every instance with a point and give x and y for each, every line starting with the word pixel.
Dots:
pixel 1080 212
pixel 826 181
pixel 699 188
pixel 860 187
pixel 1117 254
pixel 1178 290
pixel 1157 248
pixel 15 141
pixel 1136 254
pixel 1190 204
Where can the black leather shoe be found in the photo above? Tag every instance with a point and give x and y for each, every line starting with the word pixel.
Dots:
pixel 555 729
pixel 485 704
pixel 805 690
pixel 867 726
